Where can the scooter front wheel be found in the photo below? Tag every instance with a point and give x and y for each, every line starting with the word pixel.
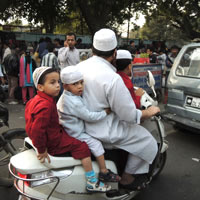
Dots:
pixel 159 165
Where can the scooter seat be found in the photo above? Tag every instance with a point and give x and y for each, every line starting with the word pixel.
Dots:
pixel 56 162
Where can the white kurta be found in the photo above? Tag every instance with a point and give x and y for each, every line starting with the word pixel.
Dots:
pixel 105 88
pixel 72 114
pixel 68 57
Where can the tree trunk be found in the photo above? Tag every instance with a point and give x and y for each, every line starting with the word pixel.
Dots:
pixel 94 20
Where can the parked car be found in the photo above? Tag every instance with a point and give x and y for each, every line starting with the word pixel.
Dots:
pixel 183 104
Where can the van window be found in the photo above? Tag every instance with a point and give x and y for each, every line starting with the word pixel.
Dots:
pixel 189 65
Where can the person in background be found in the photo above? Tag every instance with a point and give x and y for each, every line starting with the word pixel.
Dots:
pixel 124 68
pixel 42 48
pixel 1 76
pixel 79 44
pixel 131 48
pixel 57 44
pixel 162 58
pixel 27 67
pixel 7 50
pixel 170 60
pixel 68 55
pixel 50 59
pixel 152 55
pixel 11 64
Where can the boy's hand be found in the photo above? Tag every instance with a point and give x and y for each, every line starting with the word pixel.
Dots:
pixel 139 92
pixel 42 156
pixel 108 110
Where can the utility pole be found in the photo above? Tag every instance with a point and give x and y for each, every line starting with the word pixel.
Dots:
pixel 129 14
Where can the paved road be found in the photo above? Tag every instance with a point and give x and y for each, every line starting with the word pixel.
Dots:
pixel 180 179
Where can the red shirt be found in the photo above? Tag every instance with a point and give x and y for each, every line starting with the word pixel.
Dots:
pixel 43 128
pixel 129 85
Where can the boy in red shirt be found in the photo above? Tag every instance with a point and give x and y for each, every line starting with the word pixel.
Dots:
pixel 124 65
pixel 47 135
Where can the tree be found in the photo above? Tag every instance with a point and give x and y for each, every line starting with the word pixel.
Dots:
pixel 75 23
pixel 181 14
pixel 161 29
pixel 5 4
pixel 105 13
pixel 95 14
pixel 47 12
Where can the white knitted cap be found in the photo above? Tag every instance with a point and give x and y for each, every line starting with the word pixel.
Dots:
pixel 37 74
pixel 70 75
pixel 123 54
pixel 105 40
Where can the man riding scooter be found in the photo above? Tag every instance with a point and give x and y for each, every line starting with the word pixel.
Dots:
pixel 105 88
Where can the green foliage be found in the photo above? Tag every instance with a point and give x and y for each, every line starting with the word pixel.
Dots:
pixel 88 16
pixel 184 15
pixel 103 13
pixel 75 23
pixel 47 12
pixel 159 28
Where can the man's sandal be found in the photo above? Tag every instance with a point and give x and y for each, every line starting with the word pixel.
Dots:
pixel 109 176
pixel 140 182
pixel 97 187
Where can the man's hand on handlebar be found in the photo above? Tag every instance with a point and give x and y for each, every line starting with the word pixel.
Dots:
pixel 149 112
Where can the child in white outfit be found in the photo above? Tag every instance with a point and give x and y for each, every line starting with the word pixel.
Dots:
pixel 72 114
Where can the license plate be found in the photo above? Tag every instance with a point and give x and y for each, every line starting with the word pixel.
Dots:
pixel 193 102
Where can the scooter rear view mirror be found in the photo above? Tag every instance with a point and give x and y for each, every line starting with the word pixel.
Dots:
pixel 151 81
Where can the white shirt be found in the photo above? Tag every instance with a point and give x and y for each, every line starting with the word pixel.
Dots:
pixel 68 57
pixel 50 60
pixel 6 52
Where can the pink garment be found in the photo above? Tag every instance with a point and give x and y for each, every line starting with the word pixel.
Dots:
pixel 21 72
pixel 24 93
pixel 28 77
pixel 23 76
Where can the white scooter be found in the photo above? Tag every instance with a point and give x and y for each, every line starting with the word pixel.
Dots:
pixel 64 177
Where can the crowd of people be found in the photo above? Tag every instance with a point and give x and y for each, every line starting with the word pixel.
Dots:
pixel 93 104
pixel 18 62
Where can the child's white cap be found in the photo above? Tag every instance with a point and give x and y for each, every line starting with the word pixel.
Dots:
pixel 38 73
pixel 105 40
pixel 70 75
pixel 123 54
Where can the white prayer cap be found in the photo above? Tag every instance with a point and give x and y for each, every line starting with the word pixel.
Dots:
pixel 123 54
pixel 70 75
pixel 38 73
pixel 105 40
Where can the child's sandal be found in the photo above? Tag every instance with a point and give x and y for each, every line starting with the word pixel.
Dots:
pixel 97 187
pixel 109 177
